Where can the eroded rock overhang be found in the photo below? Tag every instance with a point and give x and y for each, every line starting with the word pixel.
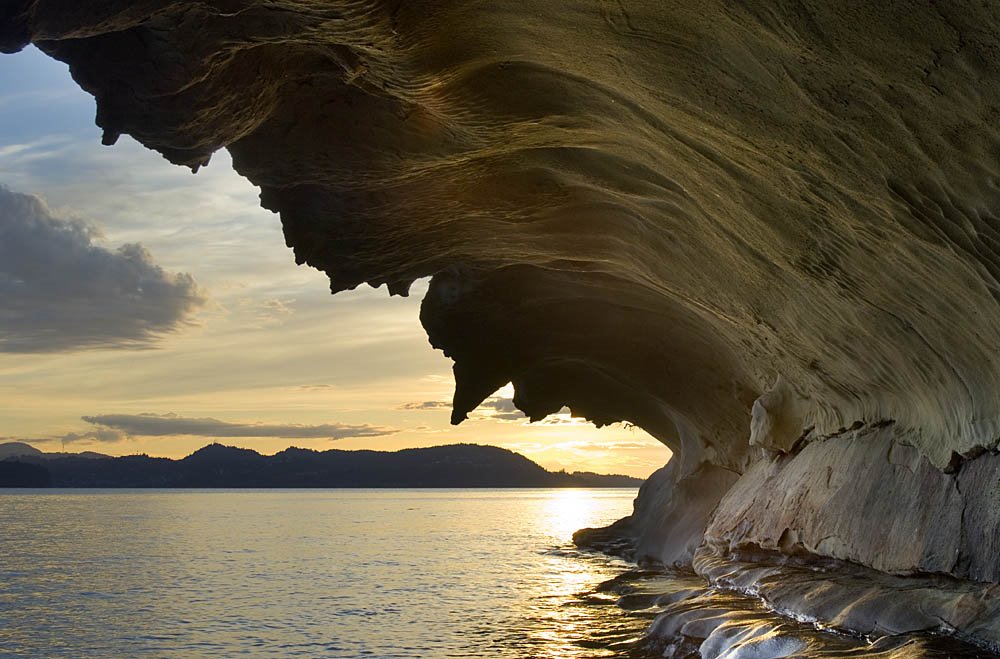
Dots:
pixel 746 228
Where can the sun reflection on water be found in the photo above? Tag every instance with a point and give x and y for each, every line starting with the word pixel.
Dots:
pixel 567 618
pixel 341 574
pixel 567 511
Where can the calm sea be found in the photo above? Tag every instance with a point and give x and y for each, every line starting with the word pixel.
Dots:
pixel 312 573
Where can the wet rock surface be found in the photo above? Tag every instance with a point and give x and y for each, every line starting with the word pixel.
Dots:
pixel 740 613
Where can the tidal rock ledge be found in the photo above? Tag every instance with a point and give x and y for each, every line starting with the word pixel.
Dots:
pixel 767 233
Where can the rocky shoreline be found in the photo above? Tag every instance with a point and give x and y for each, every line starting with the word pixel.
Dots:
pixel 766 605
pixel 855 532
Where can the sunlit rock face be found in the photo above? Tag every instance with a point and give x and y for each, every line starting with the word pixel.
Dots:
pixel 759 232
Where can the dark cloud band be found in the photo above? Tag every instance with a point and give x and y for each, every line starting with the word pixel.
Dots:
pixel 63 291
pixel 162 425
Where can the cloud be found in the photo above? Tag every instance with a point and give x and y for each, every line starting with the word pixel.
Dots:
pixel 61 290
pixel 497 408
pixel 275 309
pixel 162 425
pixel 103 435
pixel 427 405
pixel 268 312
pixel 36 97
pixel 610 445
pixel 564 418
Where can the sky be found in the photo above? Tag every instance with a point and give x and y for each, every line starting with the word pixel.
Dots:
pixel 144 309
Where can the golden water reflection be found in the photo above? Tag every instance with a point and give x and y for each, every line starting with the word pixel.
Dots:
pixel 567 511
pixel 305 573
pixel 570 619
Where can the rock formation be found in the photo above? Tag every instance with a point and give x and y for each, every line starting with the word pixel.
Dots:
pixel 768 233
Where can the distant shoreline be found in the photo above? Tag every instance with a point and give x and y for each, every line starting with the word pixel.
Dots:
pixel 58 488
pixel 217 467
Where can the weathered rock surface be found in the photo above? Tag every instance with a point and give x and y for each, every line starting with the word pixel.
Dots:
pixel 757 230
pixel 858 600
pixel 747 611
pixel 909 515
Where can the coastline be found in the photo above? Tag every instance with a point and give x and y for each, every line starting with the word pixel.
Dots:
pixel 769 604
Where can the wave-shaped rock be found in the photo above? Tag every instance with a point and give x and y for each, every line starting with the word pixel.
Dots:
pixel 754 229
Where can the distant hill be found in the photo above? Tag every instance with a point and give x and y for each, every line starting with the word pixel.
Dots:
pixel 456 465
pixel 20 449
pixel 23 474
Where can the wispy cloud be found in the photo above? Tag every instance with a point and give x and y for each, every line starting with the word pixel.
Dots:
pixel 499 409
pixel 8 151
pixel 615 445
pixel 103 435
pixel 164 425
pixel 37 97
pixel 427 405
pixel 275 310
pixel 496 408
pixel 62 290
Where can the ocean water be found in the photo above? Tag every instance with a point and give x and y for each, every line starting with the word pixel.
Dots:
pixel 365 573
pixel 308 573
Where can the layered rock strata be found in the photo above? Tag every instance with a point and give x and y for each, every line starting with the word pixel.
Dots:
pixel 767 233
